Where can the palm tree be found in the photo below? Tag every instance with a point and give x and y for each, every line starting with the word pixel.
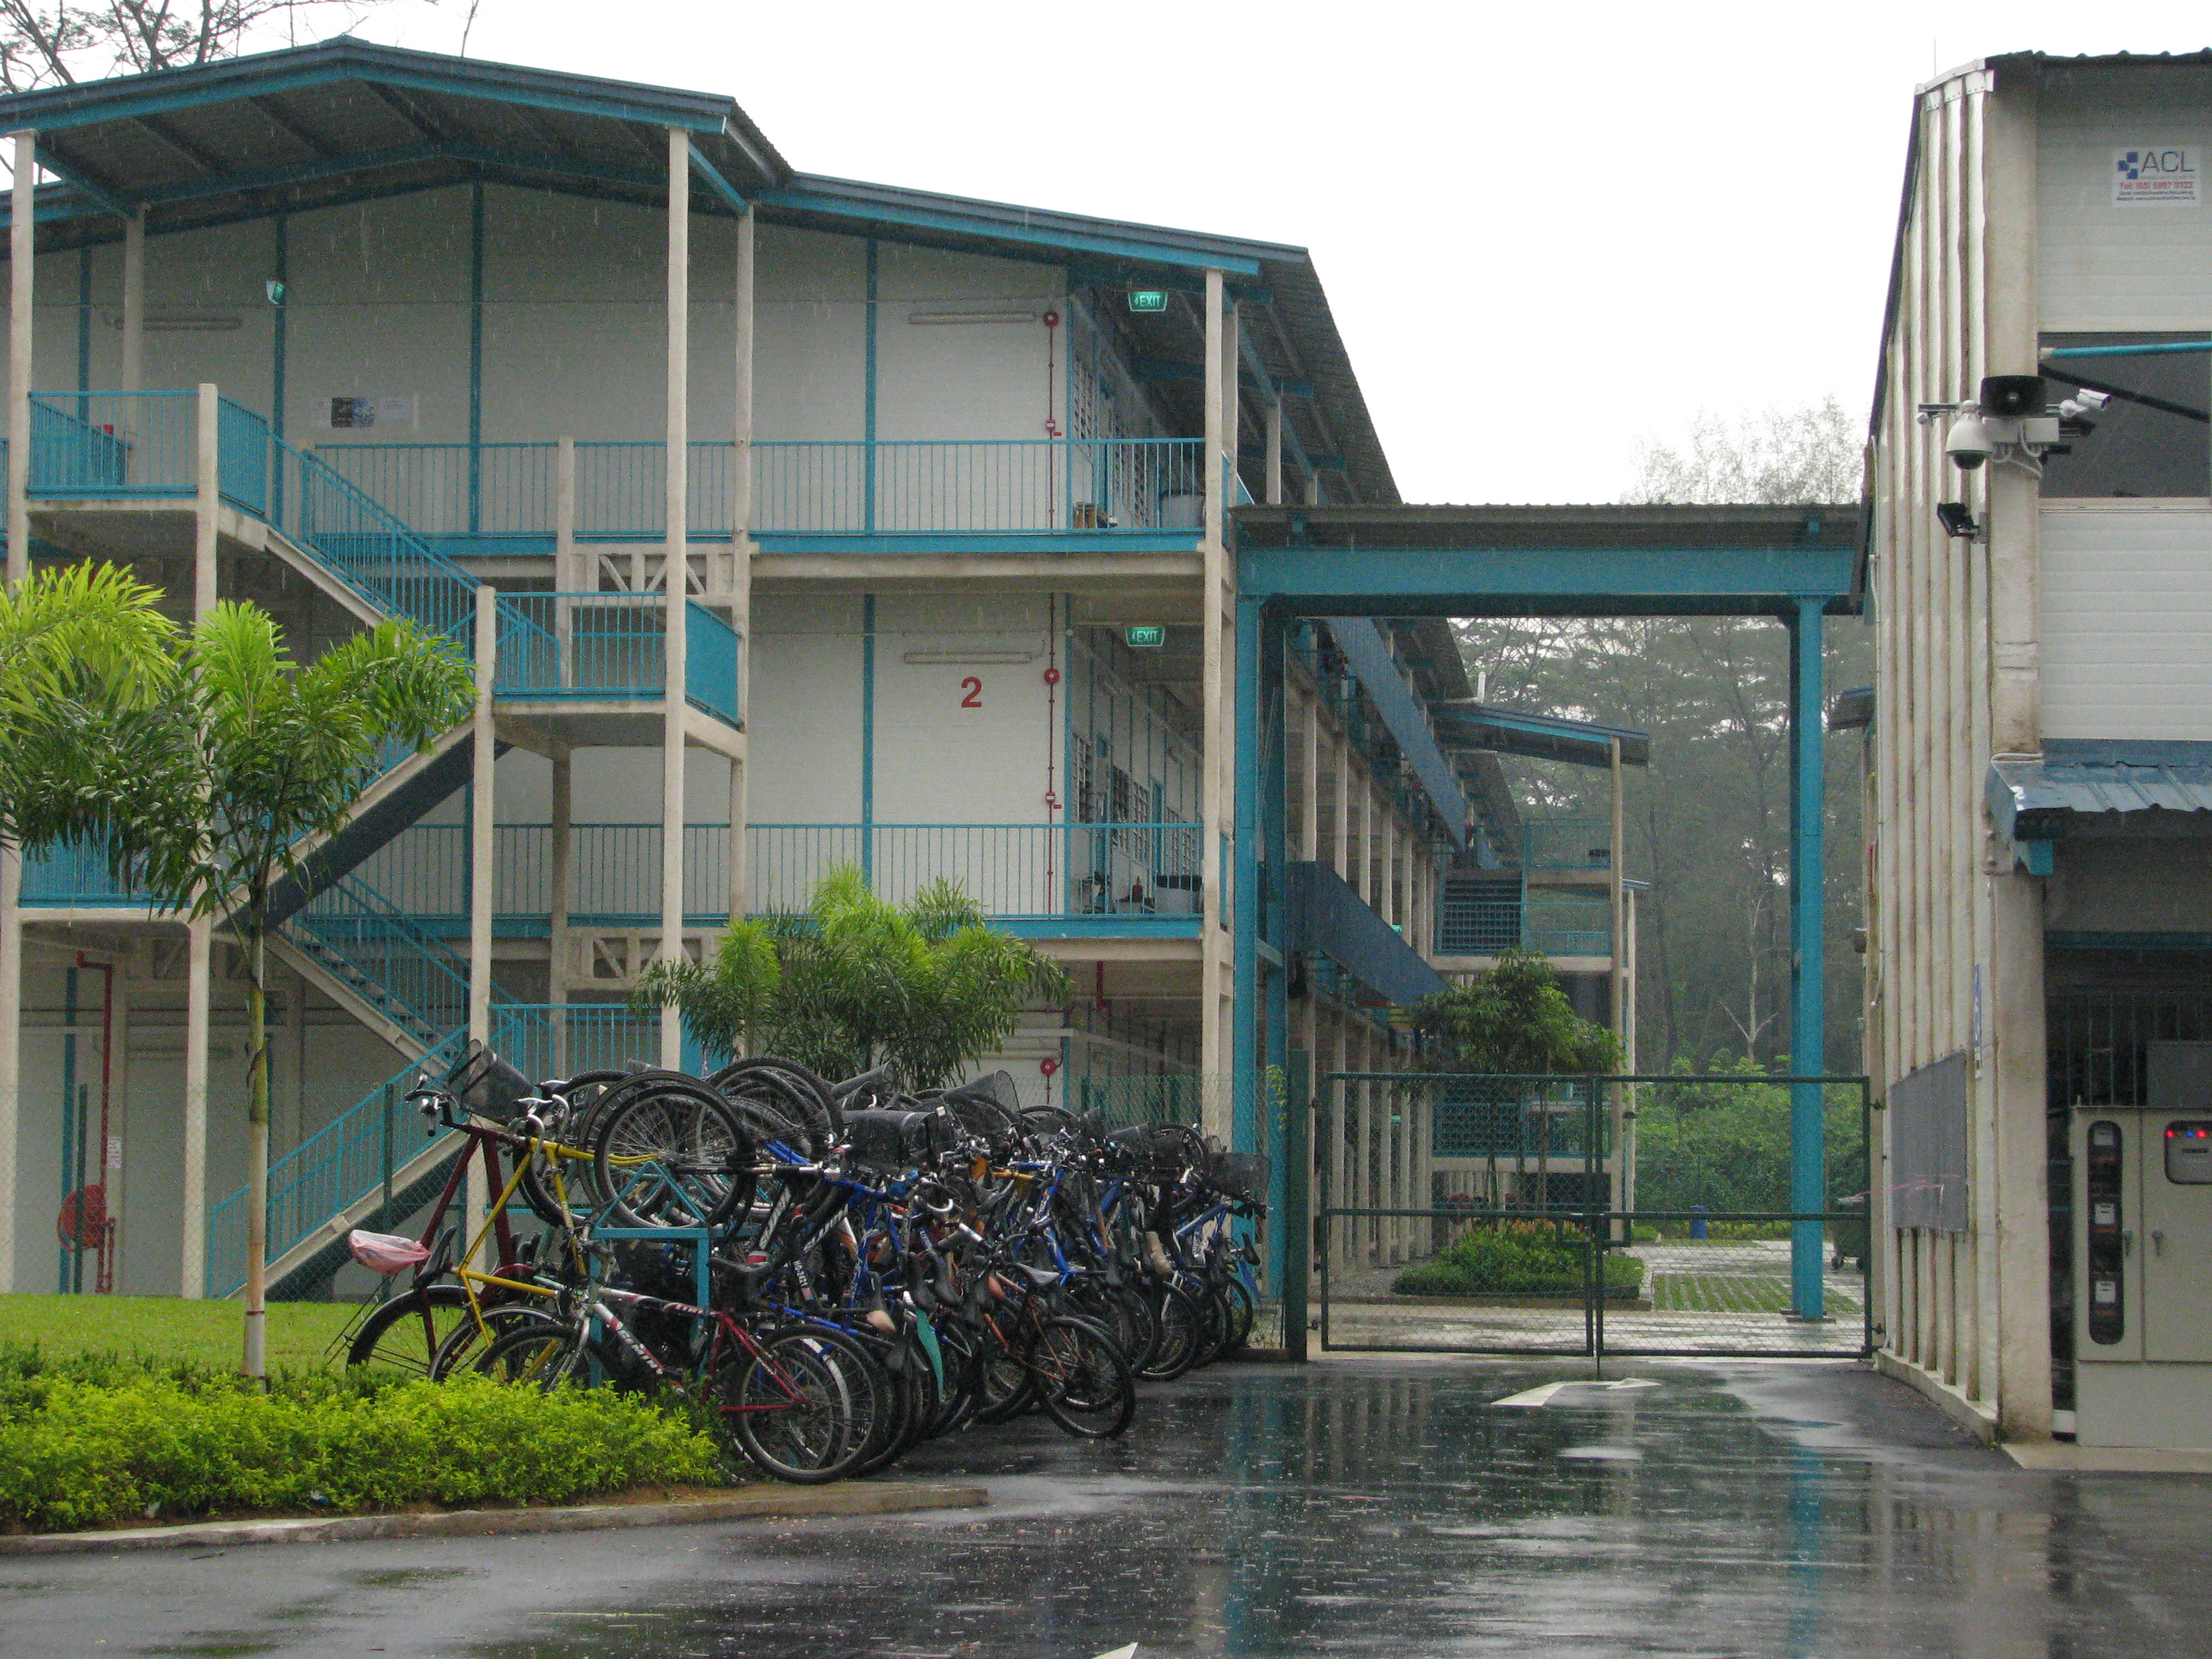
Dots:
pixel 249 757
pixel 854 981
pixel 85 655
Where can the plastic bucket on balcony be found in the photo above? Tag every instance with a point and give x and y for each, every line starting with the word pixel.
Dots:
pixel 1181 512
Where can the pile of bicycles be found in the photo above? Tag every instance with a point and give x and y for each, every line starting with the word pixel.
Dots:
pixel 831 1273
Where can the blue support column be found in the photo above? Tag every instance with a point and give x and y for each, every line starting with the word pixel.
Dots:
pixel 1808 1175
pixel 1274 928
pixel 1244 884
pixel 476 356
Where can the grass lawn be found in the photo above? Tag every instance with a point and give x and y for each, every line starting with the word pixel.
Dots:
pixel 209 1332
pixel 1755 1293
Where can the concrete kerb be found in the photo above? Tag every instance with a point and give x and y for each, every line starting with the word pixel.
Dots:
pixel 752 1503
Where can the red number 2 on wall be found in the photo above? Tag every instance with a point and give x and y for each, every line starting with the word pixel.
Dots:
pixel 974 688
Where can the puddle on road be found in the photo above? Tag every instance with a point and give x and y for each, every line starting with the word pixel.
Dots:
pixel 1391 1511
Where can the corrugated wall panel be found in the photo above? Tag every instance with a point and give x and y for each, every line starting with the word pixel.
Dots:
pixel 2127 623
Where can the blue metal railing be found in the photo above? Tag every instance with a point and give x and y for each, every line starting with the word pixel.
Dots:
pixel 544 1040
pixel 1482 915
pixel 588 646
pixel 923 485
pixel 1577 925
pixel 108 444
pixel 242 457
pixel 710 662
pixel 405 970
pixel 75 877
pixel 1010 870
pixel 371 549
pixel 1567 844
pixel 353 1155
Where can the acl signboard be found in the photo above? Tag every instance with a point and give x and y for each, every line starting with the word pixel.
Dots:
pixel 2156 175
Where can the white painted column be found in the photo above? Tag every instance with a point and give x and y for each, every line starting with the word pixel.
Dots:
pixel 562 878
pixel 1364 882
pixel 199 947
pixel 567 577
pixel 192 1255
pixel 1217 665
pixel 1273 481
pixel 484 876
pixel 1343 784
pixel 22 270
pixel 1310 828
pixel 676 573
pixel 1389 909
pixel 134 303
pixel 741 550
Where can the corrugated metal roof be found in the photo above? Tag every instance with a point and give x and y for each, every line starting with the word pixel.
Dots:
pixel 2031 796
pixel 346 120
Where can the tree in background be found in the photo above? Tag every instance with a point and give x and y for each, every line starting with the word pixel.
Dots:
pixel 854 982
pixel 249 757
pixel 61 44
pixel 1710 817
pixel 1513 1020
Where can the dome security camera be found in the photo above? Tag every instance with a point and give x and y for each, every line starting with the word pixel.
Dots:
pixel 1970 442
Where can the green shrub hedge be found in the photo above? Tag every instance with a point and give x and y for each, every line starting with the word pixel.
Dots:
pixel 98 1440
pixel 1515 1258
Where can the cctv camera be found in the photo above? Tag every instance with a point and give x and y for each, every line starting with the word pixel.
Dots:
pixel 1970 442
pixel 2083 402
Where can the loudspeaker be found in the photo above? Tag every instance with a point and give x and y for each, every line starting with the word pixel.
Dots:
pixel 2011 396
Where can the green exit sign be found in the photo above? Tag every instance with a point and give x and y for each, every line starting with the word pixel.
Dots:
pixel 1147 639
pixel 1148 299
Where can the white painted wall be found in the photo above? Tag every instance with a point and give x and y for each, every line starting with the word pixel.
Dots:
pixel 2126 633
pixel 2102 266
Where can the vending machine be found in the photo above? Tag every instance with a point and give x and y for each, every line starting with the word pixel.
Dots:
pixel 2143 1259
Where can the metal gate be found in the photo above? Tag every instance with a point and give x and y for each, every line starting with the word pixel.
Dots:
pixel 1646 1214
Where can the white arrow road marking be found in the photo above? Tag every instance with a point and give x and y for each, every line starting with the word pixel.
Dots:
pixel 1542 1395
pixel 1129 1652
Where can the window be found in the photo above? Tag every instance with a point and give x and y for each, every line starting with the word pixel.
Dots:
pixel 2154 438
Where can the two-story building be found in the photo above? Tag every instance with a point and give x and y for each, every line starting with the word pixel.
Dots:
pixel 940 589
pixel 2040 764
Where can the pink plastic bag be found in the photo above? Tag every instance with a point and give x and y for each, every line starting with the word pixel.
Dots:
pixel 385 1253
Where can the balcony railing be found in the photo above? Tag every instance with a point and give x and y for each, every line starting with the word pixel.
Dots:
pixel 74 877
pixel 1480 916
pixel 545 1040
pixel 1012 870
pixel 922 486
pixel 593 646
pixel 1567 844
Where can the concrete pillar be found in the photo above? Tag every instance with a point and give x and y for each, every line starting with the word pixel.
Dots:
pixel 199 948
pixel 1310 754
pixel 563 880
pixel 11 1032
pixel 22 265
pixel 482 872
pixel 1273 481
pixel 1217 639
pixel 1388 911
pixel 568 576
pixel 134 303
pixel 192 1255
pixel 741 547
pixel 1342 747
pixel 676 573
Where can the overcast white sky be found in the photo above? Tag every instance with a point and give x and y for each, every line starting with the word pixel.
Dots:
pixel 1547 230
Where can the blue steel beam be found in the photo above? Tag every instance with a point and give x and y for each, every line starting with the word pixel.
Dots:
pixel 714 182
pixel 1547 581
pixel 1809 1177
pixel 988 227
pixel 1366 648
pixel 1274 925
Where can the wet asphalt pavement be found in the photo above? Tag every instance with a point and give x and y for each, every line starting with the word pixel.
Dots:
pixel 1361 1506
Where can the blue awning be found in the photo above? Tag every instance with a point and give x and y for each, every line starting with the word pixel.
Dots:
pixel 2034 797
pixel 1367 650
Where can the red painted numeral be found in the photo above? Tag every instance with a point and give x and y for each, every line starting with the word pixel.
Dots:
pixel 974 688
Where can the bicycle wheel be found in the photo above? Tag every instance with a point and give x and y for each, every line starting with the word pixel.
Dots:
pixel 1006 1389
pixel 672 1155
pixel 405 1334
pixel 471 1336
pixel 1181 1327
pixel 1243 1313
pixel 1215 1324
pixel 805 1408
pixel 1084 1384
pixel 1093 1298
pixel 960 1346
pixel 536 1353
